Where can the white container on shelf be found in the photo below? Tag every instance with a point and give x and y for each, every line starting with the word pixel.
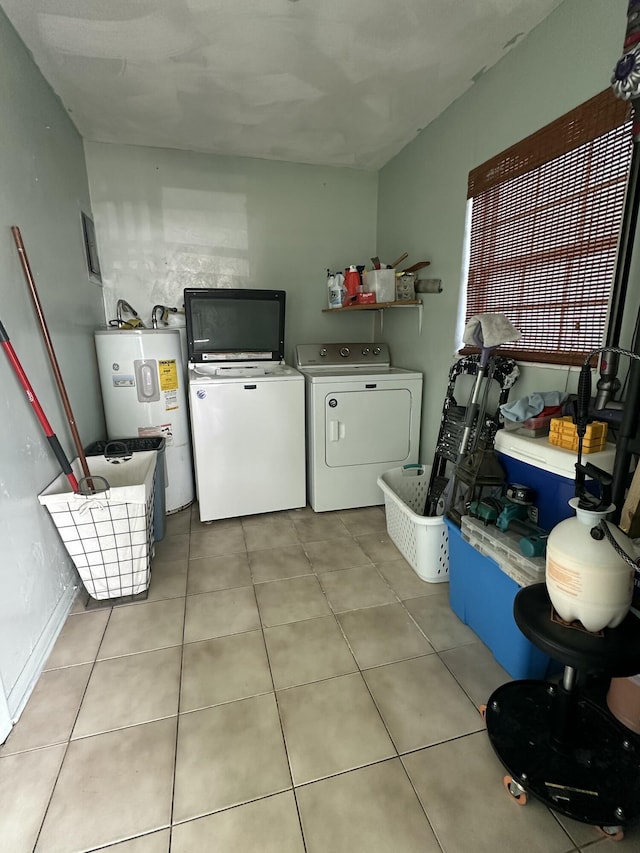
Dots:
pixel 422 540
pixel 382 283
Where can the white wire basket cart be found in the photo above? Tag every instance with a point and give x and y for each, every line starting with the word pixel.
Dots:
pixel 108 534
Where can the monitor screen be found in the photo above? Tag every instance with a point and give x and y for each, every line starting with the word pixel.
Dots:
pixel 235 325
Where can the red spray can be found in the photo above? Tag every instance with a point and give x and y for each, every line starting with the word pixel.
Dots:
pixel 351 283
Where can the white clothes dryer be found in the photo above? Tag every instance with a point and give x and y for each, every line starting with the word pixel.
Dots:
pixel 363 418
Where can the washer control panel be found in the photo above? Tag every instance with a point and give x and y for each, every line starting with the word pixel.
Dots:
pixel 344 355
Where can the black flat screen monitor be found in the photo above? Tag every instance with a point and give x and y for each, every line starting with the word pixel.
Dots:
pixel 234 325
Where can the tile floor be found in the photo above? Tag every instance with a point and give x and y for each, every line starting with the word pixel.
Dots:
pixel 289 685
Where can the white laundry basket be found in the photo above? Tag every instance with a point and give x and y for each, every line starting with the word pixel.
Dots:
pixel 423 541
pixel 109 535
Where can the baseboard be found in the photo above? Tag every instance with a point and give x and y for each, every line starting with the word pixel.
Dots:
pixel 27 679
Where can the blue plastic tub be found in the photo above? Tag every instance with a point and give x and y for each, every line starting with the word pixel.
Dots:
pixel 481 595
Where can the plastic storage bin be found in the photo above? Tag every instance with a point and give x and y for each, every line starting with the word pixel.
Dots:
pixel 422 541
pixel 504 548
pixel 136 445
pixel 541 424
pixel 382 283
pixel 482 595
pixel 547 469
pixel 109 535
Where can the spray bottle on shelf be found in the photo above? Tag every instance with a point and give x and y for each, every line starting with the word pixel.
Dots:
pixel 335 285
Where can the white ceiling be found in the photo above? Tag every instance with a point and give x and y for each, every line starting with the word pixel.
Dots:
pixel 331 82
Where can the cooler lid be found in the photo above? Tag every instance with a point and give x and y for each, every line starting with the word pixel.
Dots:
pixel 540 453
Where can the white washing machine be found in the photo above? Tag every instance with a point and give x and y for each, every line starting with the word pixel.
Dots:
pixel 363 418
pixel 247 423
pixel 247 406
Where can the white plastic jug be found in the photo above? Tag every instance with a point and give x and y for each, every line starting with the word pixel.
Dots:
pixel 586 578
pixel 335 285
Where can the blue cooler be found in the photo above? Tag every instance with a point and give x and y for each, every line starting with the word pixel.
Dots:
pixel 548 469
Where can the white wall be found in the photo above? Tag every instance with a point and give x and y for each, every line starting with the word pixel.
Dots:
pixel 422 195
pixel 44 187
pixel 169 219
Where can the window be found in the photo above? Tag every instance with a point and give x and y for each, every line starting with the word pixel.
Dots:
pixel 545 224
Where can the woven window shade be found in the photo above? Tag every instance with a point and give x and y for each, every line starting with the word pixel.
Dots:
pixel 545 225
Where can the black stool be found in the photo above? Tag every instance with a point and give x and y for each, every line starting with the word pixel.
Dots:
pixel 557 743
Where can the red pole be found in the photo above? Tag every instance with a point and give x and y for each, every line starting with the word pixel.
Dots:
pixel 37 408
pixel 22 252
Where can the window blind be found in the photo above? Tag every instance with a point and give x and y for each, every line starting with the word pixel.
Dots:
pixel 545 224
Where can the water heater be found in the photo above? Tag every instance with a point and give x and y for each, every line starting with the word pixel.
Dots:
pixel 143 391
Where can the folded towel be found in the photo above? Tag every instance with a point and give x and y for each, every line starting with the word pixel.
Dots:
pixel 529 407
pixel 489 330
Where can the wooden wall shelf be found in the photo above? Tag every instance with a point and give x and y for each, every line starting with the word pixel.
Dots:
pixel 374 306
pixel 379 306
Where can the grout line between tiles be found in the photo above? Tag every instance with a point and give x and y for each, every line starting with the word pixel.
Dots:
pixel 576 847
pixel 361 671
pixel 284 740
pixel 175 751
pixel 68 743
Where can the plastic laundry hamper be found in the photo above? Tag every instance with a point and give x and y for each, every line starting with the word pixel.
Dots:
pixel 423 541
pixel 108 535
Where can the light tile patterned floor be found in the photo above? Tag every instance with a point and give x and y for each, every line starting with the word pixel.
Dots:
pixel 289 685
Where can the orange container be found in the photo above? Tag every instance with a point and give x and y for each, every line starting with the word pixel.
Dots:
pixel 352 283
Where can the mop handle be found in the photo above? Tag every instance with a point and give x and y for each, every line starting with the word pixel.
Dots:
pixel 57 375
pixel 31 397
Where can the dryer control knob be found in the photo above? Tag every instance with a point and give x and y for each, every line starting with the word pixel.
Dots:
pixel 345 352
pixel 323 352
pixel 366 351
pixel 377 350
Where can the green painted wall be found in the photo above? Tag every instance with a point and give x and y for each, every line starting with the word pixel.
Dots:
pixel 422 192
pixel 170 219
pixel 43 187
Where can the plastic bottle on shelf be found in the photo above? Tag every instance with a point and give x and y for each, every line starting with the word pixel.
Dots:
pixel 335 285
pixel 352 282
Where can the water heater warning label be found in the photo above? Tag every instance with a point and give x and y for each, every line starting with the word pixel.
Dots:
pixel 168 370
pixel 171 400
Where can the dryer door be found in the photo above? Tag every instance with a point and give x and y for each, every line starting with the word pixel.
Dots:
pixel 367 426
